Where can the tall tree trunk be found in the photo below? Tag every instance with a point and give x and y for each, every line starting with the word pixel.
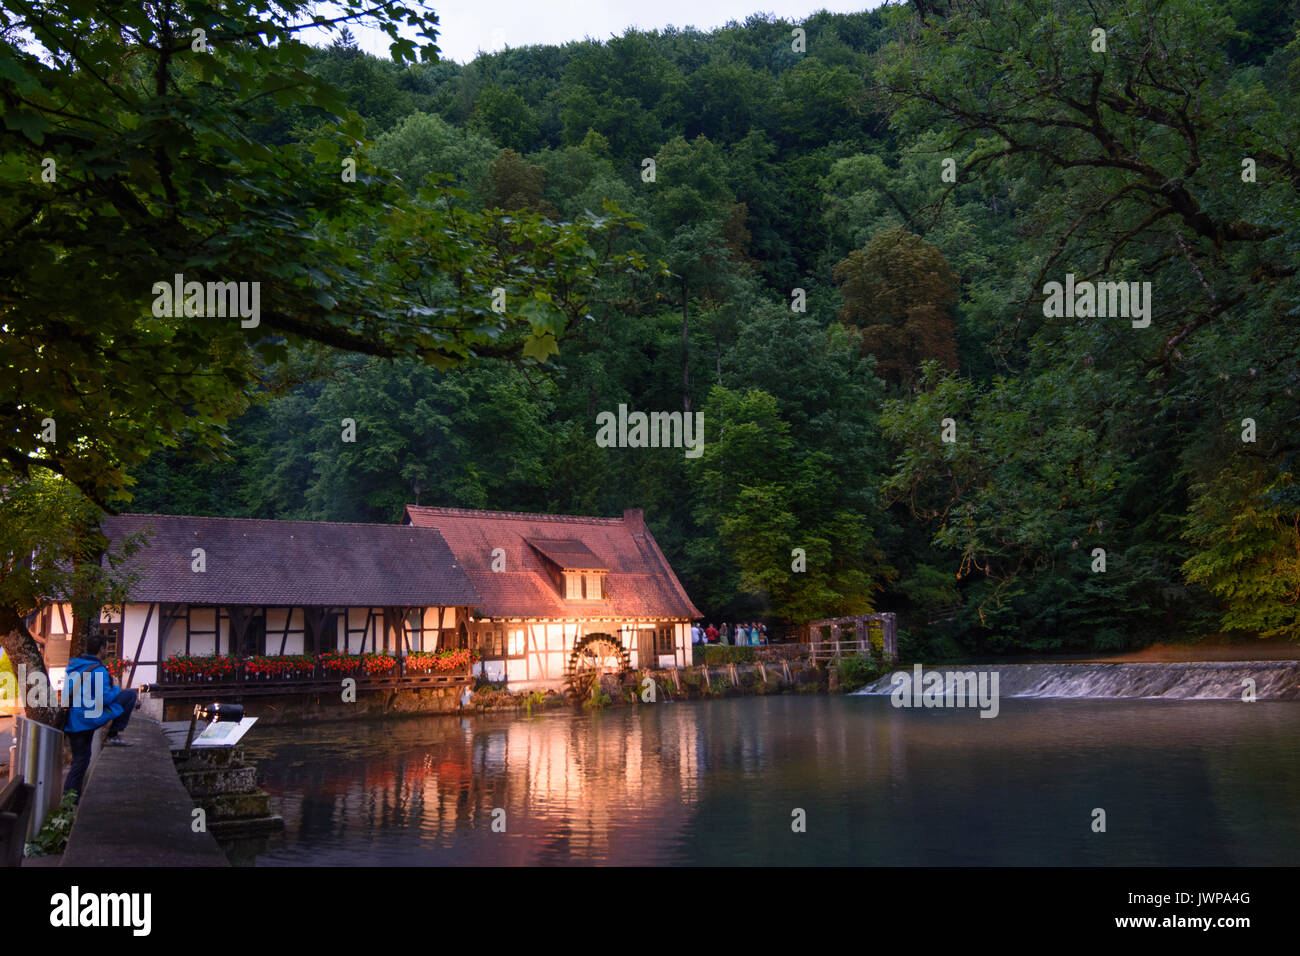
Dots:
pixel 25 656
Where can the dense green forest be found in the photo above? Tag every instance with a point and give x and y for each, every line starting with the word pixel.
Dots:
pixel 849 231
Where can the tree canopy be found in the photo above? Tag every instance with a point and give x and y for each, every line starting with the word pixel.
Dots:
pixel 844 261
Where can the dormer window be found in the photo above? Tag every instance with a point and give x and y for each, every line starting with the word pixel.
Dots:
pixel 577 572
pixel 583 586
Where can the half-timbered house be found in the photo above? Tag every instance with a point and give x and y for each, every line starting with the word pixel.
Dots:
pixel 539 598
pixel 560 594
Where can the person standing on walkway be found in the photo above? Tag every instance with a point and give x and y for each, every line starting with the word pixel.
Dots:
pixel 94 702
pixel 724 633
pixel 712 634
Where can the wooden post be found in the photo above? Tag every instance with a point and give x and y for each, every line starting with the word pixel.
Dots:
pixel 541 654
pixel 835 639
pixel 762 670
pixel 785 666
pixel 889 629
pixel 398 630
pixel 240 618
pixel 862 636
pixel 707 683
pixel 288 621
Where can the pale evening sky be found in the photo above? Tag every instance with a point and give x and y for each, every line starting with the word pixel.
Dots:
pixel 468 26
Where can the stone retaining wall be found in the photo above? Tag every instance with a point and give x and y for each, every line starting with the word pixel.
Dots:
pixel 135 811
pixel 305 708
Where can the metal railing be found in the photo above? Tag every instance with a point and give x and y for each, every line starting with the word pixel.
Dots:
pixel 37 757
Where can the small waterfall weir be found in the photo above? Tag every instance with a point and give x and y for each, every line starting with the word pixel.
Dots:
pixel 1210 680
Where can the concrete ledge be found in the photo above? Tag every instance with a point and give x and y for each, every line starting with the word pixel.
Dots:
pixel 135 812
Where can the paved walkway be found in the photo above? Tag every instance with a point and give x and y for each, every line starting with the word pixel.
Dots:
pixel 135 812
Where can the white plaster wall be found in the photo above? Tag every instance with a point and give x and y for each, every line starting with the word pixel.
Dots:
pixel 57 625
pixel 275 621
pixel 134 616
pixel 174 638
pixel 201 619
pixel 490 670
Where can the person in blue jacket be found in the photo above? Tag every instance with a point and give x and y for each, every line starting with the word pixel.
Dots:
pixel 93 702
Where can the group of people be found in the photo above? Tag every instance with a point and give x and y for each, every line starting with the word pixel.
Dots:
pixel 750 634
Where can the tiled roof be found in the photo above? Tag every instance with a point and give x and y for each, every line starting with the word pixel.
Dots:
pixel 568 554
pixel 640 583
pixel 308 563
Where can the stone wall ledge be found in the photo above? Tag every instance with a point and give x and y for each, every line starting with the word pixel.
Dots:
pixel 135 812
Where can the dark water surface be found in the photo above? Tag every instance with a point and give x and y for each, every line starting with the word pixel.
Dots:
pixel 1182 783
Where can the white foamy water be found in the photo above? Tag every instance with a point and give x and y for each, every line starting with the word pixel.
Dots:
pixel 1213 680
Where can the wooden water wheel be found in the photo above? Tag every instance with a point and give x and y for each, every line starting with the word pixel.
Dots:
pixel 591 657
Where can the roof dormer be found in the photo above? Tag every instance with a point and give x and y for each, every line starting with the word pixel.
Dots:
pixel 577 572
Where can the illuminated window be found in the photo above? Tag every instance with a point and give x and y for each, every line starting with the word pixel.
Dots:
pixel 572 587
pixel 592 582
pixel 518 644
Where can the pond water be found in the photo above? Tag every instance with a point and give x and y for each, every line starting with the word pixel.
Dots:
pixel 719 782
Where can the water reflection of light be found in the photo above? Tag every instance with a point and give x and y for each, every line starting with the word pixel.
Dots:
pixel 573 788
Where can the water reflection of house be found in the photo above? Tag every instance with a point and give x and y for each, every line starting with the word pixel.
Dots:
pixel 531 593
pixel 551 586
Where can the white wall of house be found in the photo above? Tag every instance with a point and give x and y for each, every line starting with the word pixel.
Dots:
pixel 134 620
pixel 548 644
pixel 277 619
pixel 60 619
pixel 491 670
